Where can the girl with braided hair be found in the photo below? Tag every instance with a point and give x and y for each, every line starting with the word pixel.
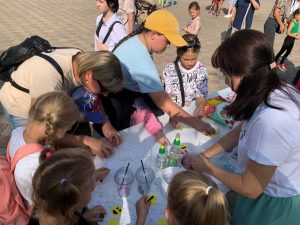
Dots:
pixel 52 115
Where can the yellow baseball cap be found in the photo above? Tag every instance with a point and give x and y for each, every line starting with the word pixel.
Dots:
pixel 164 22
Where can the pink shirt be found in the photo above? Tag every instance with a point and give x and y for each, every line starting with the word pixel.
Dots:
pixel 194 26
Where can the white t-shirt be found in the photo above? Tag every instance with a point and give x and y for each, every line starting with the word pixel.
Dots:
pixel 117 34
pixel 26 167
pixel 272 137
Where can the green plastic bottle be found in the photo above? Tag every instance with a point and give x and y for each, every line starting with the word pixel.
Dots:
pixel 175 154
pixel 161 160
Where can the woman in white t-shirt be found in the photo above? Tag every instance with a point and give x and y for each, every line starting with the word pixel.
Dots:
pixel 268 140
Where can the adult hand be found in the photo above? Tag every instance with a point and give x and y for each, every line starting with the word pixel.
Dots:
pixel 297 37
pixel 186 161
pixel 102 173
pixel 101 148
pixel 95 214
pixel 205 128
pixel 174 123
pixel 199 111
pixel 142 209
pixel 111 134
pixel 199 163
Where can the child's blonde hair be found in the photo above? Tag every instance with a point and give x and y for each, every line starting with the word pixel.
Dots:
pixel 104 65
pixel 59 180
pixel 57 110
pixel 193 199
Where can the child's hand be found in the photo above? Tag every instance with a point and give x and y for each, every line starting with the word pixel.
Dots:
pixel 209 109
pixel 297 37
pixel 142 209
pixel 161 138
pixel 174 123
pixel 101 173
pixel 100 46
pixel 101 148
pixel 95 214
pixel 111 134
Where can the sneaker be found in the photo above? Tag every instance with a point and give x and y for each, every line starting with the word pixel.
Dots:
pixel 228 16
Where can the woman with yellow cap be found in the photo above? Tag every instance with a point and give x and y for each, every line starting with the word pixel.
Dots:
pixel 141 78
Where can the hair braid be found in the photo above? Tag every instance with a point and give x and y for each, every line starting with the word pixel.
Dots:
pixel 50 132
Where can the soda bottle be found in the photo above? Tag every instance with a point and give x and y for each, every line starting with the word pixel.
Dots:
pixel 161 160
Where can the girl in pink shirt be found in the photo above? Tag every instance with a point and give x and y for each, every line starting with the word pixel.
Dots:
pixel 194 25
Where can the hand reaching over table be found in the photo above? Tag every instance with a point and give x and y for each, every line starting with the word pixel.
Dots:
pixel 142 208
pixel 111 134
pixel 99 147
pixel 95 214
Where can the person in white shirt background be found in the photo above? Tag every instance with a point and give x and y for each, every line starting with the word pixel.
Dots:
pixel 108 19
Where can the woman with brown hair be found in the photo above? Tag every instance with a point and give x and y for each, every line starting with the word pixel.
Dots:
pixel 267 138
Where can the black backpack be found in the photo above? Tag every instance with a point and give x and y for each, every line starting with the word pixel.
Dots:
pixel 14 56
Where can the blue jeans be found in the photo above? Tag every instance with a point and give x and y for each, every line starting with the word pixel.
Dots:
pixel 13 121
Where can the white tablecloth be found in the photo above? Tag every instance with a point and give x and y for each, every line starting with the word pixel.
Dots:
pixel 138 144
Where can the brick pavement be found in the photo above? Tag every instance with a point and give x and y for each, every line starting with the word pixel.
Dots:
pixel 72 23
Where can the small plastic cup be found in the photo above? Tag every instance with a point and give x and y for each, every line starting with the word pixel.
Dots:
pixel 143 185
pixel 124 187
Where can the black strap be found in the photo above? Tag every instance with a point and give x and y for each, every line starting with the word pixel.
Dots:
pixel 52 62
pixel 99 27
pixel 109 29
pixel 180 82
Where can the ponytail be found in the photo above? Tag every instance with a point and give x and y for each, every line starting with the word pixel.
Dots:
pixel 194 199
pixel 215 209
pixel 59 180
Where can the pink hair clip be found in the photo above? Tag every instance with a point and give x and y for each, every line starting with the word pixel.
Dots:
pixel 48 154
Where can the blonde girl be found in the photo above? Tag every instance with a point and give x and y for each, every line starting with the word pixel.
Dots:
pixel 52 115
pixel 193 199
pixel 106 21
pixel 62 187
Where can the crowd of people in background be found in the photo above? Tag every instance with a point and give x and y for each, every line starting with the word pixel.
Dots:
pixel 118 85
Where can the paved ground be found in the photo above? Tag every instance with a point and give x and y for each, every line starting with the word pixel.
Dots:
pixel 72 23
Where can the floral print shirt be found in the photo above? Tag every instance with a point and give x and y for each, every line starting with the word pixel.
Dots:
pixel 194 82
